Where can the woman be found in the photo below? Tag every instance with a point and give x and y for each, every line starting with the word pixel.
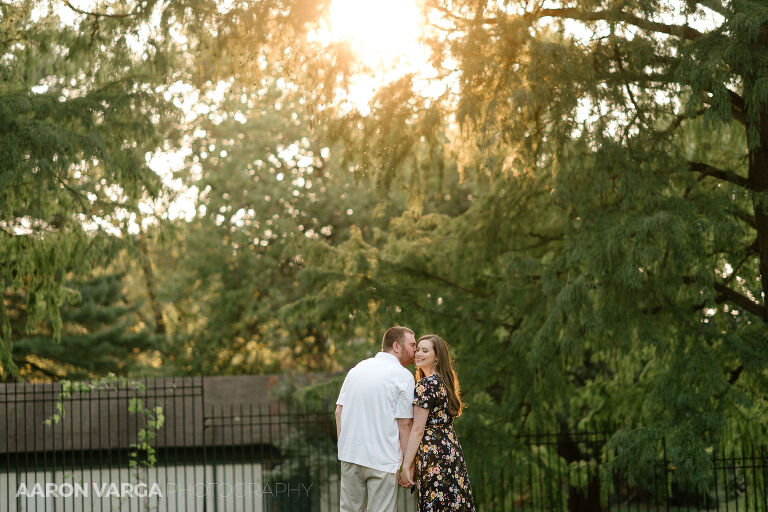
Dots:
pixel 441 474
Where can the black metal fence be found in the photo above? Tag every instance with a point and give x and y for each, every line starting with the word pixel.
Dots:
pixel 162 445
pixel 168 444
pixel 569 471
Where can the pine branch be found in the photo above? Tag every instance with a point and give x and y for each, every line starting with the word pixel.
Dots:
pixel 99 14
pixel 737 268
pixel 734 374
pixel 75 193
pixel 749 219
pixel 725 294
pixel 610 16
pixel 638 110
pixel 4 229
pixel 6 42
pixel 472 316
pixel 738 103
pixel 444 280
pixel 708 170
pixel 642 78
pixel 38 368
pixel 678 120
pixel 738 107
pixel 683 31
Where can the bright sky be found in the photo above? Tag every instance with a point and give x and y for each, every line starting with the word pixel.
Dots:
pixel 385 37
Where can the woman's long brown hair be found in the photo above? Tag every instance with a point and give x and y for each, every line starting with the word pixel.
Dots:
pixel 444 372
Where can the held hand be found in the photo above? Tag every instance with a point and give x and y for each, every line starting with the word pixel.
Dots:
pixel 406 475
pixel 400 480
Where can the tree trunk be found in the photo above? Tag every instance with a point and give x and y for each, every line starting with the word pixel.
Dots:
pixel 149 279
pixel 758 183
pixel 579 500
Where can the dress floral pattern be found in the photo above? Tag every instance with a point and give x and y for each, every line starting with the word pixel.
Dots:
pixel 441 473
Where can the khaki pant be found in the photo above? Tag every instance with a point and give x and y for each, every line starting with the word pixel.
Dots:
pixel 367 490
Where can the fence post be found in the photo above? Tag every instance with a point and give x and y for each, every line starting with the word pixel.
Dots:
pixel 666 473
pixel 205 451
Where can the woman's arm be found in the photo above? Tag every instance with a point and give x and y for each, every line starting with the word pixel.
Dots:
pixel 420 415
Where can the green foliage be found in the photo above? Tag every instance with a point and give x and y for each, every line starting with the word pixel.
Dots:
pixel 142 452
pixel 582 216
pixel 591 241
pixel 80 109
pixel 270 188
pixel 99 334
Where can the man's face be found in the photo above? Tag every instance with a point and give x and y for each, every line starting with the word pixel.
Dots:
pixel 408 349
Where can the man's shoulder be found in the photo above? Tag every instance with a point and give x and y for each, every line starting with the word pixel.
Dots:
pixel 405 374
pixel 366 362
pixel 382 368
pixel 360 365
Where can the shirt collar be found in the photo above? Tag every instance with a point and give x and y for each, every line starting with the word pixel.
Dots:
pixel 388 356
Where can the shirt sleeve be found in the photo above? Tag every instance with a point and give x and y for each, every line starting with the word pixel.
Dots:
pixel 425 393
pixel 344 389
pixel 404 406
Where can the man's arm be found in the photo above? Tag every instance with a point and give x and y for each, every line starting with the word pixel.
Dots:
pixel 338 424
pixel 404 427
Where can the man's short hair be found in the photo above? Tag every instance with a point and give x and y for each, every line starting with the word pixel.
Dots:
pixel 393 334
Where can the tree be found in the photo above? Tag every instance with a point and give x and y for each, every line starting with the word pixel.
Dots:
pixel 99 335
pixel 265 183
pixel 583 216
pixel 80 109
pixel 607 258
pixel 659 284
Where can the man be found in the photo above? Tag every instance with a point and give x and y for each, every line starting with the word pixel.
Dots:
pixel 374 413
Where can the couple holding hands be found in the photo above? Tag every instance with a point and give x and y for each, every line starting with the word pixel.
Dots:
pixel 392 430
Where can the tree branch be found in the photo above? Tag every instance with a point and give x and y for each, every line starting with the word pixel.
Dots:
pixel 75 193
pixel 99 14
pixel 749 219
pixel 39 368
pixel 738 107
pixel 725 294
pixel 708 170
pixel 734 374
pixel 679 118
pixel 4 229
pixel 428 275
pixel 472 316
pixel 683 31
pixel 738 103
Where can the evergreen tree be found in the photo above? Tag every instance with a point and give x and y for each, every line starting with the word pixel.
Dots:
pixel 80 109
pixel 99 336
pixel 266 183
pixel 583 216
pixel 607 261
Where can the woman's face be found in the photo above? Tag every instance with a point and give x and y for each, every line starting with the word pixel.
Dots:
pixel 425 355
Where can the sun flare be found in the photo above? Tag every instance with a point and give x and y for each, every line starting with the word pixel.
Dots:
pixel 379 32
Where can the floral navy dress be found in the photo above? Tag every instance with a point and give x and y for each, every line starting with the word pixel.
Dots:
pixel 441 473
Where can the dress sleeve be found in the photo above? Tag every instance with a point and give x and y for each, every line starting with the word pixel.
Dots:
pixel 425 393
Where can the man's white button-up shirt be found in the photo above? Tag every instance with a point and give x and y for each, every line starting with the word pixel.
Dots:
pixel 375 393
